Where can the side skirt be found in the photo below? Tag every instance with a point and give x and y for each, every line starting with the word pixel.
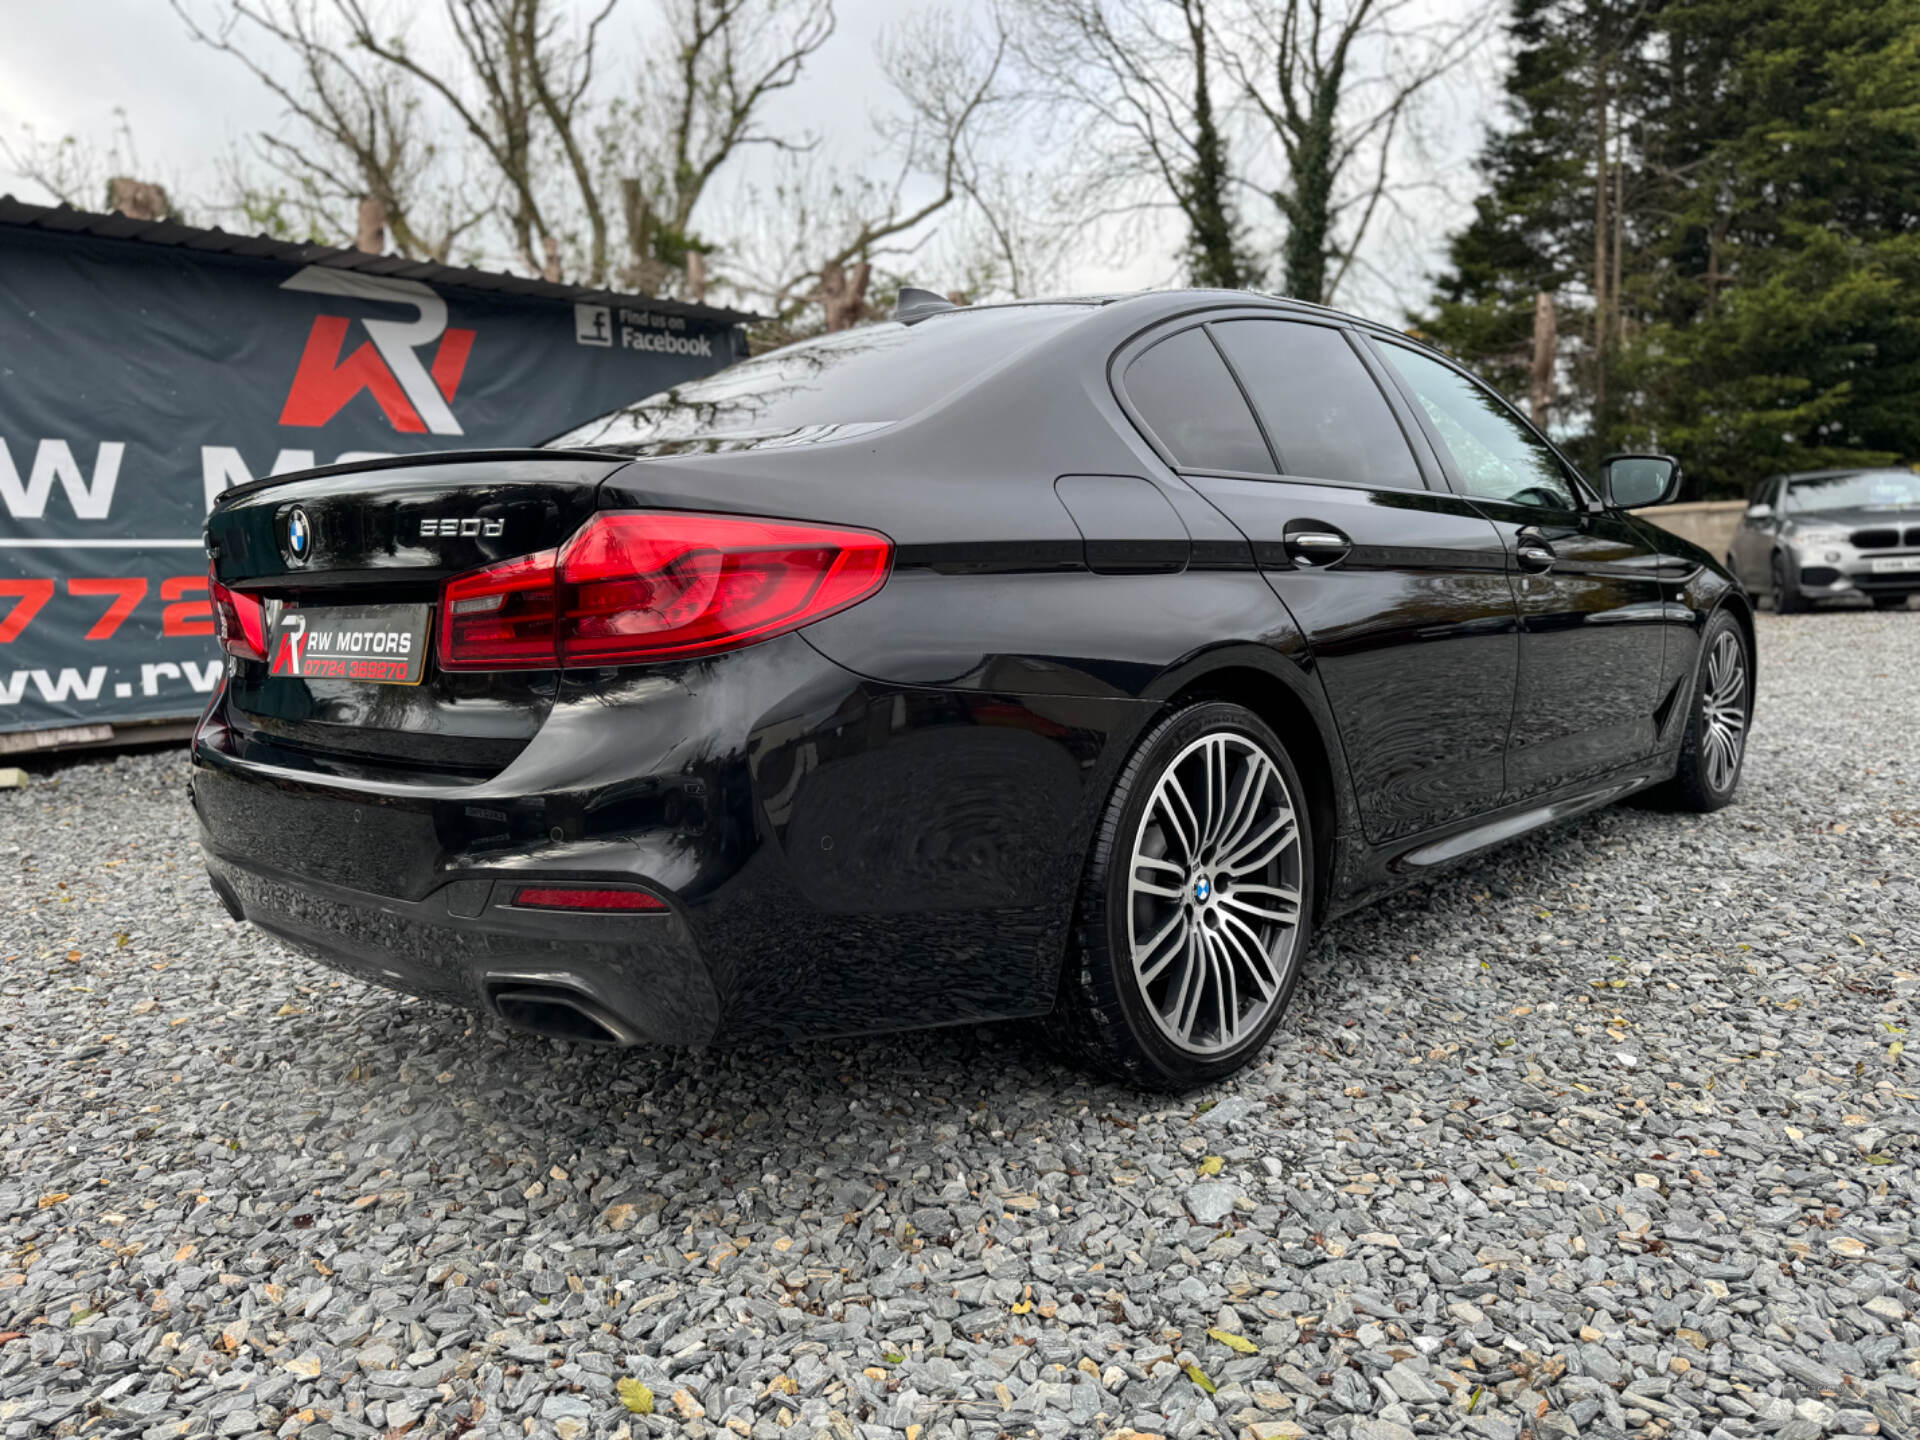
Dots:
pixel 1381 871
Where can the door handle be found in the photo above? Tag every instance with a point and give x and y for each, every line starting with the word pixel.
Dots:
pixel 1317 547
pixel 1533 553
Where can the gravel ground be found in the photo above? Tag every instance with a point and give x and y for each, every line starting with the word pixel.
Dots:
pixel 1611 1132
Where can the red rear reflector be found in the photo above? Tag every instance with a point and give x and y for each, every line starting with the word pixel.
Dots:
pixel 238 620
pixel 589 899
pixel 639 586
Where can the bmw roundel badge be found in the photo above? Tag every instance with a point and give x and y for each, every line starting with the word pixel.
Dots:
pixel 299 540
pixel 1202 890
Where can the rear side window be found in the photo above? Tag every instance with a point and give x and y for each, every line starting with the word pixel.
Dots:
pixel 1323 413
pixel 1188 399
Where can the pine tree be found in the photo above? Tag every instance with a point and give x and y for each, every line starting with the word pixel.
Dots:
pixel 1791 336
pixel 1579 69
pixel 1724 198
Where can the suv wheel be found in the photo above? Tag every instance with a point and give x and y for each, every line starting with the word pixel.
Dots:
pixel 1786 598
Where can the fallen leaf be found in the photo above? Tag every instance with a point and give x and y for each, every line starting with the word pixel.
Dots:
pixel 1211 1165
pixel 636 1397
pixel 47 1202
pixel 1199 1377
pixel 1235 1342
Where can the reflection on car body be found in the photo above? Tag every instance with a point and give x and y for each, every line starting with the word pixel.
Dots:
pixel 1072 658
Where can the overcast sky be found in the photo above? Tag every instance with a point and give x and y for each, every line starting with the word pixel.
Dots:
pixel 66 66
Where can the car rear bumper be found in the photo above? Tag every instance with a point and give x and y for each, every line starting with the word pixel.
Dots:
pixel 624 978
pixel 838 856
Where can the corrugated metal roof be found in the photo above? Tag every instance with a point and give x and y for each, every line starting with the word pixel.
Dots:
pixel 65 220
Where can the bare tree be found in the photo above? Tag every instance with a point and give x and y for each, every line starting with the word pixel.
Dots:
pixel 517 80
pixel 826 231
pixel 704 99
pixel 1137 78
pixel 565 169
pixel 361 138
pixel 1334 83
pixel 79 173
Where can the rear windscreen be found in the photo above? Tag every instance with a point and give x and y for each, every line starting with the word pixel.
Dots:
pixel 856 379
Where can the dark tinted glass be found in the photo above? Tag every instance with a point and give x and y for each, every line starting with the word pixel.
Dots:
pixel 1322 410
pixel 1184 392
pixel 1866 489
pixel 1494 455
pixel 866 377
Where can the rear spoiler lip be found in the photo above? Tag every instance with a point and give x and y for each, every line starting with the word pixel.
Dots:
pixel 401 462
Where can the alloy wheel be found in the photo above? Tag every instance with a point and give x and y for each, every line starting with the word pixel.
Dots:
pixel 1214 894
pixel 1724 705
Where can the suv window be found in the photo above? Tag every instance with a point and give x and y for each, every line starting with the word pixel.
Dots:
pixel 1325 416
pixel 1188 399
pixel 1495 456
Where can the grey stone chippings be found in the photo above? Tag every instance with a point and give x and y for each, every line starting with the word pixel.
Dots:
pixel 1612 1131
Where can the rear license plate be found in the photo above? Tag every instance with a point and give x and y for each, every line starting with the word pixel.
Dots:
pixel 382 644
pixel 1895 564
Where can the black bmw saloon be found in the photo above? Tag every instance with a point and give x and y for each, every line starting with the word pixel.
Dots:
pixel 1070 659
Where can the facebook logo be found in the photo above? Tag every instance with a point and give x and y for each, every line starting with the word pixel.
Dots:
pixel 592 325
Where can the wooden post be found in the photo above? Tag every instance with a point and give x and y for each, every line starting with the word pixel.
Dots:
pixel 1546 355
pixel 843 294
pixel 138 199
pixel 370 235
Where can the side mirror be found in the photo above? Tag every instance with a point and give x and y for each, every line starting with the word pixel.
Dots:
pixel 1634 481
pixel 1760 510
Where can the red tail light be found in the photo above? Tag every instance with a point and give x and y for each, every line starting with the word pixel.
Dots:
pixel 595 898
pixel 238 620
pixel 637 586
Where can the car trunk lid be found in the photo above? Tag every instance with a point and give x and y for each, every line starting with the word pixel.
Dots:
pixel 362 551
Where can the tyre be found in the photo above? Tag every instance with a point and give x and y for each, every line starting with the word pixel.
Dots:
pixel 1715 745
pixel 1786 598
pixel 1196 909
pixel 1889 602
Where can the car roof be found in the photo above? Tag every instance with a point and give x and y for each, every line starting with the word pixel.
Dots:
pixel 1151 305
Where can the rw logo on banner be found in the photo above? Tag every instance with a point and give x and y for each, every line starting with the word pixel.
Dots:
pixel 416 396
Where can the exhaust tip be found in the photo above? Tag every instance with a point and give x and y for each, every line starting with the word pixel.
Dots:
pixel 559 1013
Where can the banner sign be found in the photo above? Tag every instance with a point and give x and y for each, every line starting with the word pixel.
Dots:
pixel 137 382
